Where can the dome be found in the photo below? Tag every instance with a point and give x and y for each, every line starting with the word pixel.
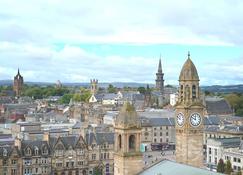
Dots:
pixel 189 71
pixel 127 117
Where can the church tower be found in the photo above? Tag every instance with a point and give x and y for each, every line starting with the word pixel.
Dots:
pixel 189 118
pixel 93 86
pixel 159 82
pixel 127 156
pixel 18 84
pixel 147 97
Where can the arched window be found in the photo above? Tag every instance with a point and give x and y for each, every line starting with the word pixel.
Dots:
pixel 181 92
pixel 119 142
pixel 84 172
pixel 28 151
pixel 36 150
pixel 131 142
pixel 194 93
pixel 187 92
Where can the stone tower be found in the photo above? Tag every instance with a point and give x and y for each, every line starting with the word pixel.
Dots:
pixel 159 82
pixel 93 86
pixel 127 156
pixel 147 97
pixel 189 118
pixel 18 84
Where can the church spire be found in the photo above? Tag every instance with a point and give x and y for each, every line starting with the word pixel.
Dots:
pixel 160 66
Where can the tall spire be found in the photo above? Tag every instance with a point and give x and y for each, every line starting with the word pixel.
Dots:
pixel 18 72
pixel 188 55
pixel 160 66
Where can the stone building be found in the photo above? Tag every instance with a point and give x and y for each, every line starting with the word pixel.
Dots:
pixel 10 160
pixel 127 156
pixel 18 84
pixel 224 148
pixel 69 155
pixel 189 118
pixel 93 86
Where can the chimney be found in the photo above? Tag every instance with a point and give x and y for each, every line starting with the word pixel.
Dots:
pixel 46 136
pixel 17 143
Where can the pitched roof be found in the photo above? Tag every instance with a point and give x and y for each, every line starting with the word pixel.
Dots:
pixel 189 71
pixel 167 167
pixel 218 107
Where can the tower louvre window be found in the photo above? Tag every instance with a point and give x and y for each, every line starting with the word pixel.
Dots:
pixel 194 94
pixel 119 141
pixel 131 142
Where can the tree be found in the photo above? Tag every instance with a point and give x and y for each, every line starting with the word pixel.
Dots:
pixel 66 98
pixel 221 166
pixel 111 89
pixel 141 90
pixel 97 170
pixel 228 167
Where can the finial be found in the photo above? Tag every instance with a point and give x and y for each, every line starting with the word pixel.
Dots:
pixel 188 54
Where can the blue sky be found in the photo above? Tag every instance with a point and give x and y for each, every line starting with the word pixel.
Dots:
pixel 74 41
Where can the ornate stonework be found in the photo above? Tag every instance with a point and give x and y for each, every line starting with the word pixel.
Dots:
pixel 18 84
pixel 189 118
pixel 127 155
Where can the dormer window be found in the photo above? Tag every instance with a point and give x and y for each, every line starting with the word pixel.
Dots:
pixel 36 151
pixel 44 150
pixel 28 151
pixel 5 152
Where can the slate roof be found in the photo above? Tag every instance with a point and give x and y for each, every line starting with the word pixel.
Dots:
pixel 32 144
pixel 229 142
pixel 218 107
pixel 99 138
pixel 9 149
pixel 167 167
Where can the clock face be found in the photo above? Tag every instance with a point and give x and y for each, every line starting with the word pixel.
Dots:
pixel 180 119
pixel 195 119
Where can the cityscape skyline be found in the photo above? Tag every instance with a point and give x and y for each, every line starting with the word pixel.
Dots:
pixel 120 41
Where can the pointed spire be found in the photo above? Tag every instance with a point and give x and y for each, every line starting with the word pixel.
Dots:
pixel 160 65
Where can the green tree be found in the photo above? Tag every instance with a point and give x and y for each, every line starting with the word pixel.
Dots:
pixel 66 98
pixel 142 90
pixel 111 89
pixel 77 97
pixel 221 166
pixel 97 170
pixel 228 167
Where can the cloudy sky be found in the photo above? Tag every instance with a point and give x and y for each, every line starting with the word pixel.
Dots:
pixel 74 41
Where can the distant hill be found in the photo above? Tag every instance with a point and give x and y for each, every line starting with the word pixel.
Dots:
pixel 213 88
pixel 223 89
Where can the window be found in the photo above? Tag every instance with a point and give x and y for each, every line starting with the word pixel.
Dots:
pixel 155 129
pixel 58 164
pixel 167 127
pixel 93 156
pixel 194 94
pixel 161 140
pixel 234 159
pixel 161 128
pixel 210 159
pixel 209 151
pixel 5 152
pixel 215 152
pixel 215 160
pixel 36 151
pixel 13 162
pixel 5 162
pixel 155 140
pixel 44 150
pixel 80 163
pixel 167 133
pixel 13 172
pixel 167 140
pixel 239 160
pixel 28 151
pixel 36 170
pixel 160 133
pixel 119 141
pixel 155 134
pixel 131 142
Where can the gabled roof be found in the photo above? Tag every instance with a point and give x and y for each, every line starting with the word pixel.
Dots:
pixel 218 107
pixel 100 138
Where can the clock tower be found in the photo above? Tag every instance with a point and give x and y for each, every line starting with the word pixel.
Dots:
pixel 189 117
